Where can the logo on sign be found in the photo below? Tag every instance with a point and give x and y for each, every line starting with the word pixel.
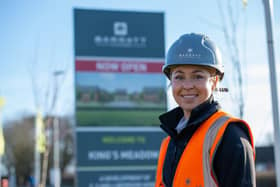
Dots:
pixel 120 28
pixel 120 38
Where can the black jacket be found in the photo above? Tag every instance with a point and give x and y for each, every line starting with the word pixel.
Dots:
pixel 233 163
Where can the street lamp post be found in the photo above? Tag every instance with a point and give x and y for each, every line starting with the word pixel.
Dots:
pixel 268 9
pixel 56 153
pixel 56 160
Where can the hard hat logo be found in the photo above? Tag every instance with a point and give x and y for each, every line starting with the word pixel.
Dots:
pixel 194 49
pixel 189 54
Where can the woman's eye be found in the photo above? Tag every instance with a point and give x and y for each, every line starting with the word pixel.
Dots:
pixel 179 77
pixel 198 77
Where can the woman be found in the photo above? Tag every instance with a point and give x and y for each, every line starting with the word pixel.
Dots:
pixel 205 146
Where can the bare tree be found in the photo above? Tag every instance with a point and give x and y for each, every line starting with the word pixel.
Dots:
pixel 231 14
pixel 46 87
pixel 230 22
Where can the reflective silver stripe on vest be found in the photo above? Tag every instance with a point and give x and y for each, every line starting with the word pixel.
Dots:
pixel 208 142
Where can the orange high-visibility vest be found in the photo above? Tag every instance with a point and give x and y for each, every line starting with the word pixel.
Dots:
pixel 195 165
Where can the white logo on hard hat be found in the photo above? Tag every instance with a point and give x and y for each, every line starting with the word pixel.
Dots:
pixel 189 54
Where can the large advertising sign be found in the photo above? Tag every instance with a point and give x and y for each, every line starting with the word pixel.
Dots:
pixel 120 92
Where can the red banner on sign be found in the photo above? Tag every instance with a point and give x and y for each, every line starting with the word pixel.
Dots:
pixel 119 66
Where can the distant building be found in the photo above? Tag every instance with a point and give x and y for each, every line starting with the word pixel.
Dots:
pixel 152 94
pixel 121 95
pixel 88 93
pixel 265 167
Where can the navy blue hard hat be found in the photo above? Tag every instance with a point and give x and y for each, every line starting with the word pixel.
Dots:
pixel 194 49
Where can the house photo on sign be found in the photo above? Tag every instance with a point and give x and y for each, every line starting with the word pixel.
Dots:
pixel 120 99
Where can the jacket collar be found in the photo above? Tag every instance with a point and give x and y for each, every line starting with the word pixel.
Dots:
pixel 199 114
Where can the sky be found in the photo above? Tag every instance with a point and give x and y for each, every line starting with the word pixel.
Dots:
pixel 36 39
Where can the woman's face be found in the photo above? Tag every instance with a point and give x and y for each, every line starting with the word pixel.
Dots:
pixel 192 85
